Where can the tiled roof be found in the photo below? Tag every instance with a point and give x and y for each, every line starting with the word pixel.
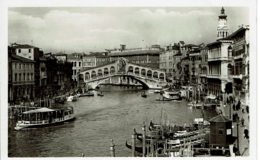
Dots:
pixel 22 59
pixel 23 46
pixel 136 52
pixel 241 29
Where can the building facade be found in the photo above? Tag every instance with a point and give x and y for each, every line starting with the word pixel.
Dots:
pixel 167 60
pixel 218 71
pixel 148 57
pixel 240 64
pixel 77 63
pixel 21 82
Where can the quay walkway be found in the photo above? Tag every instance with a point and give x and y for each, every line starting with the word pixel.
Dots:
pixel 243 142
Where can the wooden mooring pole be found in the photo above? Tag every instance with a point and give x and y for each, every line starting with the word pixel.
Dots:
pixel 112 148
pixel 144 140
pixel 133 143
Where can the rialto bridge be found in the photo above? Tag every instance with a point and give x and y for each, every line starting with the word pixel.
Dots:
pixel 148 77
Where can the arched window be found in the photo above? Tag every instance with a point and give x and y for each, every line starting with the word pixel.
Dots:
pixel 130 69
pixel 161 76
pixel 93 74
pixel 143 72
pixel 137 71
pixel 155 75
pixel 149 74
pixel 106 71
pixel 112 70
pixel 87 76
pixel 100 73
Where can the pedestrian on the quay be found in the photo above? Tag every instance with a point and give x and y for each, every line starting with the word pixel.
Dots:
pixel 243 110
pixel 247 109
pixel 234 107
pixel 246 133
pixel 242 122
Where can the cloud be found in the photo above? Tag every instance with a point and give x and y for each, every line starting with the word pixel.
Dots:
pixel 88 29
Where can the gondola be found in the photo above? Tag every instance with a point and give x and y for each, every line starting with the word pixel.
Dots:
pixel 87 94
pixel 144 95
pixel 100 94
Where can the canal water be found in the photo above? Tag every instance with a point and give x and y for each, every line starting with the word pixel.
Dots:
pixel 98 120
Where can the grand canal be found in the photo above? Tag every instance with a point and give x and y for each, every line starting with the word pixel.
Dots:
pixel 100 119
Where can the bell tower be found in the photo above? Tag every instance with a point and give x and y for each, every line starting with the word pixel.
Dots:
pixel 222 29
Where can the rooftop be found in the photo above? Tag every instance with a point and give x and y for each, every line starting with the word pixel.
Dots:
pixel 15 45
pixel 22 59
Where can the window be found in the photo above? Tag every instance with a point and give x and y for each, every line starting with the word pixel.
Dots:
pixel 19 50
pixel 20 76
pixel 15 77
pixel 29 50
pixel 28 76
pixel 79 64
pixel 24 77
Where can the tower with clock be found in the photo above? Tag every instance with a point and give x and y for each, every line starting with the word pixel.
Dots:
pixel 222 29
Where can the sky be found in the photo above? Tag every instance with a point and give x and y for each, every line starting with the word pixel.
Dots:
pixel 89 29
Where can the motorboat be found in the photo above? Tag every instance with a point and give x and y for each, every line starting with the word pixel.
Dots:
pixel 44 117
pixel 171 95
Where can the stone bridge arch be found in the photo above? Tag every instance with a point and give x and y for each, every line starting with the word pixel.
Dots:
pixel 146 76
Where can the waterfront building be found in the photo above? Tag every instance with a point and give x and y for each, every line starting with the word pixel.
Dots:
pixel 89 61
pixel 21 79
pixel 177 67
pixel 204 69
pixel 240 63
pixel 77 63
pixel 33 53
pixel 167 60
pixel 195 66
pixel 219 80
pixel 218 72
pixel 147 57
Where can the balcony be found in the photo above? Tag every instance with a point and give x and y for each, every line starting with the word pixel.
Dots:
pixel 210 59
pixel 238 76
pixel 215 76
pixel 240 56
pixel 43 75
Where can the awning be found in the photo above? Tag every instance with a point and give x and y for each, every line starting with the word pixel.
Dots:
pixel 40 110
pixel 211 97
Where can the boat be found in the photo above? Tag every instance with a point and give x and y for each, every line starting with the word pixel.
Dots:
pixel 138 149
pixel 171 95
pixel 143 95
pixel 163 99
pixel 71 98
pixel 195 104
pixel 60 99
pixel 44 117
pixel 87 94
pixel 100 94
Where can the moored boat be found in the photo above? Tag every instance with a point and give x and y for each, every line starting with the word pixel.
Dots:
pixel 171 95
pixel 87 94
pixel 144 95
pixel 71 98
pixel 44 117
